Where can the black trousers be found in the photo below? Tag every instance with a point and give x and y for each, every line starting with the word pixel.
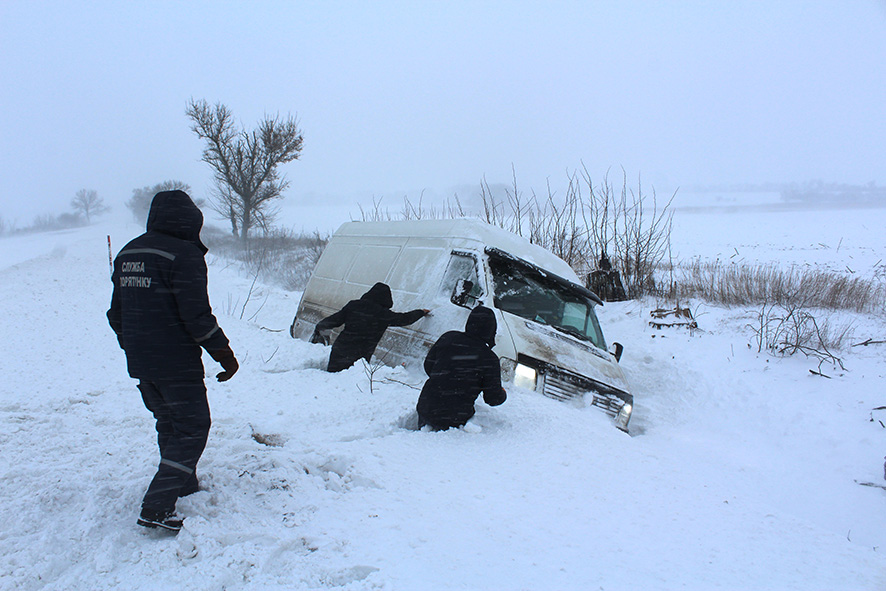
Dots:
pixel 442 423
pixel 182 414
pixel 342 358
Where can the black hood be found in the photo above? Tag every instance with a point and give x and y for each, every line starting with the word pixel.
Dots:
pixel 379 293
pixel 481 325
pixel 173 213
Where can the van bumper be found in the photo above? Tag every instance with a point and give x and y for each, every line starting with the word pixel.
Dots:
pixel 564 385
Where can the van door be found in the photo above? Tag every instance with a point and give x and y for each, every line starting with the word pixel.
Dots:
pixel 410 344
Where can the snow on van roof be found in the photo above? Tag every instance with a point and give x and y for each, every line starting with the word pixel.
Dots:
pixel 466 230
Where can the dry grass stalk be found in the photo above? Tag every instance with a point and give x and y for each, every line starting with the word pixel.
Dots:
pixel 787 330
pixel 742 285
pixel 279 257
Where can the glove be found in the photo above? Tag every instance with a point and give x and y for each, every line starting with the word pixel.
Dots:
pixel 492 400
pixel 320 338
pixel 226 358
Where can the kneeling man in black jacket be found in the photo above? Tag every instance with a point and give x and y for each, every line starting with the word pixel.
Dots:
pixel 460 365
pixel 366 321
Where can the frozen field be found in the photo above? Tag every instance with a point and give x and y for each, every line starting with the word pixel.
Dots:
pixel 842 240
pixel 739 474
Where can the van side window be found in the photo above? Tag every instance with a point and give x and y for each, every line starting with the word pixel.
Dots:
pixel 461 283
pixel 372 263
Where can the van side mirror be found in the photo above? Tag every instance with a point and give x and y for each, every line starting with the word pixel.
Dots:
pixel 619 349
pixel 461 292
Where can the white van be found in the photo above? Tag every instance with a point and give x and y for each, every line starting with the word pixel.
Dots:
pixel 548 338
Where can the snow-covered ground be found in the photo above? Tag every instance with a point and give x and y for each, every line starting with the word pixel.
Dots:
pixel 739 474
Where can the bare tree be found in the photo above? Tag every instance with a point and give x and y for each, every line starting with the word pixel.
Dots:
pixel 634 236
pixel 245 163
pixel 88 203
pixel 509 212
pixel 140 202
pixel 588 226
pixel 559 225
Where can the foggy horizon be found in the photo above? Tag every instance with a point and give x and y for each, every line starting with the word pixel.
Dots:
pixel 401 98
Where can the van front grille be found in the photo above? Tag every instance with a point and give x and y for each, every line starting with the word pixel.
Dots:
pixel 558 388
pixel 609 403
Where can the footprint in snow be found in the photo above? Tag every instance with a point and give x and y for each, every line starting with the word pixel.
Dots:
pixel 349 575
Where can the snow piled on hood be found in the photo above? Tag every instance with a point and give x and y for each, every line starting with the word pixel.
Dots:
pixel 739 474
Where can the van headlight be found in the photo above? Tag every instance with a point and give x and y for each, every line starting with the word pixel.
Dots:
pixel 525 377
pixel 624 416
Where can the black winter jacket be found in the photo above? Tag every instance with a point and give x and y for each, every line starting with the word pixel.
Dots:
pixel 160 307
pixel 460 365
pixel 365 320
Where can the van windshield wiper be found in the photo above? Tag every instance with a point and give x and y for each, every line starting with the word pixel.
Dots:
pixel 571 331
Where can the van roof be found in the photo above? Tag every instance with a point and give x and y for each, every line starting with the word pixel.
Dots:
pixel 468 230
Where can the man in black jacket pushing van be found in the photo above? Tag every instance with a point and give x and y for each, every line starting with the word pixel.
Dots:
pixel 161 314
pixel 460 365
pixel 365 320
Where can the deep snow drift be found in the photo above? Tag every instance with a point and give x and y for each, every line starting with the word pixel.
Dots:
pixel 739 474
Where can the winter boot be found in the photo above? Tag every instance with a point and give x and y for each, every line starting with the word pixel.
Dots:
pixel 162 519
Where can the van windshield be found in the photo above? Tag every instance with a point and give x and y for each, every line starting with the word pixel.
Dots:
pixel 526 292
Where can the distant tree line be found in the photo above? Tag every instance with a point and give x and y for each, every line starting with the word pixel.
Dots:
pixel 85 205
pixel 245 165
pixel 834 193
pixel 140 202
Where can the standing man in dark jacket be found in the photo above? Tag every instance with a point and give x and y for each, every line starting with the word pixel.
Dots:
pixel 365 320
pixel 460 365
pixel 161 314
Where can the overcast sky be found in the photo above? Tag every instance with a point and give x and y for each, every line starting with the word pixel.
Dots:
pixel 405 96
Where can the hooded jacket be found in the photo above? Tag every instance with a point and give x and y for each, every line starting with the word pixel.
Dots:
pixel 160 307
pixel 365 320
pixel 461 365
